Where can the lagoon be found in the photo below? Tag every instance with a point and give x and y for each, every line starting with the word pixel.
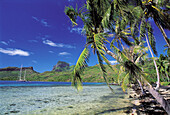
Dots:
pixel 62 100
pixel 39 83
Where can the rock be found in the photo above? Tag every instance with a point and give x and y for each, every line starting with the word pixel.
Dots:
pixel 61 66
pixel 12 104
pixel 14 111
pixel 136 102
pixel 16 68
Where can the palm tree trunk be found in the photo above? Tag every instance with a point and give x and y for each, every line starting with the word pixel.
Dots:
pixel 109 52
pixel 163 33
pixel 167 76
pixel 141 87
pixel 121 44
pixel 160 99
pixel 157 72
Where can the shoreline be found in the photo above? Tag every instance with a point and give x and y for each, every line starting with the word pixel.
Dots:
pixel 106 104
pixel 63 100
pixel 146 104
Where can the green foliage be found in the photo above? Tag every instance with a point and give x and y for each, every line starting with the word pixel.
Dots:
pixel 165 83
pixel 80 66
pixel 151 38
pixel 61 66
pixel 90 74
pixel 125 82
pixel 72 14
pixel 122 20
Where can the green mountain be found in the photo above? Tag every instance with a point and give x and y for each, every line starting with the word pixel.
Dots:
pixel 61 66
pixel 12 73
pixel 60 72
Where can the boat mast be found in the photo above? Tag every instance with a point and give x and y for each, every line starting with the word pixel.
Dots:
pixel 20 73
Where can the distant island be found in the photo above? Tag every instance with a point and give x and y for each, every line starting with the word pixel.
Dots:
pixel 61 72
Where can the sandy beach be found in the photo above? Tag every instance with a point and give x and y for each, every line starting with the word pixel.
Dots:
pixel 63 100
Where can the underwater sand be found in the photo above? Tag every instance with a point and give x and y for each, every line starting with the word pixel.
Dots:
pixel 62 100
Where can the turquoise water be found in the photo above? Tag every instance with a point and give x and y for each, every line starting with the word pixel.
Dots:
pixel 51 98
pixel 61 100
pixel 39 83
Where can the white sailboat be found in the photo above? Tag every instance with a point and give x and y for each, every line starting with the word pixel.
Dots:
pixel 20 79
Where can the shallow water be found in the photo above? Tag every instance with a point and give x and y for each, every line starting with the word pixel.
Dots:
pixel 61 100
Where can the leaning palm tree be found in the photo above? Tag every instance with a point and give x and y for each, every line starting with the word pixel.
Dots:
pixel 158 10
pixel 156 67
pixel 92 18
pixel 146 32
pixel 164 66
pixel 129 62
pixel 98 16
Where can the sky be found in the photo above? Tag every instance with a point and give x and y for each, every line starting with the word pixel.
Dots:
pixel 38 33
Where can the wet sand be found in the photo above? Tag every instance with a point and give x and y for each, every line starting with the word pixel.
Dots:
pixel 63 100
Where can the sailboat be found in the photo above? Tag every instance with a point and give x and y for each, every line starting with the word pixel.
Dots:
pixel 20 79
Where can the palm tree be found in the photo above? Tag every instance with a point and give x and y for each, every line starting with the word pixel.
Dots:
pixel 160 16
pixel 144 27
pixel 129 60
pixel 92 17
pixel 157 72
pixel 99 16
pixel 164 66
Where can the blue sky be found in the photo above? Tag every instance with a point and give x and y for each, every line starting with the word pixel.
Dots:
pixel 37 33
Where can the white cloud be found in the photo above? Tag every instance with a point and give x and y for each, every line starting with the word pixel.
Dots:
pixel 64 53
pixel 3 42
pixel 69 46
pixel 70 0
pixel 42 21
pixel 34 61
pixel 48 42
pixel 33 41
pixel 14 52
pixel 50 51
pixel 10 40
pixel 77 30
pixel 60 45
pixel 113 62
pixel 35 18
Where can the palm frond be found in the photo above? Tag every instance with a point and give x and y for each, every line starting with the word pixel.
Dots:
pixel 103 69
pixel 132 68
pixel 121 57
pixel 161 17
pixel 142 29
pixel 125 82
pixel 108 16
pixel 72 14
pixel 126 40
pixel 98 41
pixel 120 74
pixel 80 66
pixel 151 38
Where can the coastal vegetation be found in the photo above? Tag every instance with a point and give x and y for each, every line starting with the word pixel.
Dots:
pixel 90 74
pixel 127 23
pixel 123 30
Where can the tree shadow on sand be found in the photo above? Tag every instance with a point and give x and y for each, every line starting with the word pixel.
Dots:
pixel 124 109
